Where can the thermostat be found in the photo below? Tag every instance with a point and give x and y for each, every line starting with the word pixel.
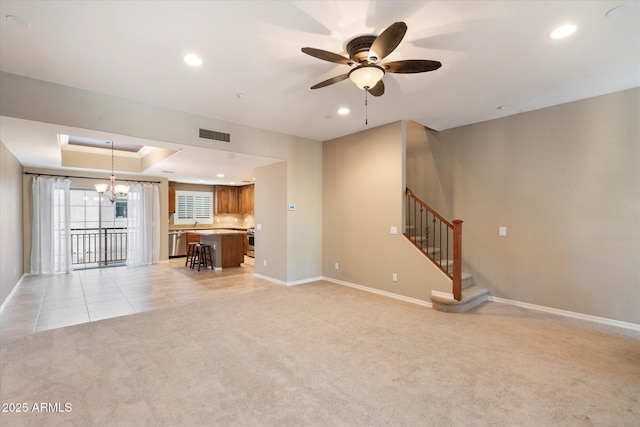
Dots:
pixel 292 206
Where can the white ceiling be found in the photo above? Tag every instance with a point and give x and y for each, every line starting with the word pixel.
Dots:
pixel 493 53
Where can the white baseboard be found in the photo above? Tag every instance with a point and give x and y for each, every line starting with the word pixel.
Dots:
pixel 282 282
pixel 443 295
pixel 379 292
pixel 603 320
pixel 13 291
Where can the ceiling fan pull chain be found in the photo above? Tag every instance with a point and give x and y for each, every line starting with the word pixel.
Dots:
pixel 366 108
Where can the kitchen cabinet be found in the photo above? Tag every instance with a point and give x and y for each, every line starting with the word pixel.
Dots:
pixel 246 198
pixel 172 197
pixel 226 200
pixel 234 200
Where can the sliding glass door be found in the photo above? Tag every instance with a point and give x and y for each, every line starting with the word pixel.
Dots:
pixel 98 230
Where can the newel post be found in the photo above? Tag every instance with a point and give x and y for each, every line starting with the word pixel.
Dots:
pixel 457 259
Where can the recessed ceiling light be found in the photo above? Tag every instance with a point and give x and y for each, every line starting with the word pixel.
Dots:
pixel 240 95
pixel 193 60
pixel 167 171
pixel 201 180
pixel 16 20
pixel 502 107
pixel 343 111
pixel 220 175
pixel 563 31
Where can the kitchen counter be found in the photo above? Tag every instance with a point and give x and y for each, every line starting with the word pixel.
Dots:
pixel 227 247
pixel 223 231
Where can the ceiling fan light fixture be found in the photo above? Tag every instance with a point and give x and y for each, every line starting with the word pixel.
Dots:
pixel 366 76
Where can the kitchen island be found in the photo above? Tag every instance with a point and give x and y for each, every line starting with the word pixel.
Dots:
pixel 227 247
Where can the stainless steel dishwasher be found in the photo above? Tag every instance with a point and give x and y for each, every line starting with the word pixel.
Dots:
pixel 177 243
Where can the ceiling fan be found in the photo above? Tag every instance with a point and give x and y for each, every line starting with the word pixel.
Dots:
pixel 365 53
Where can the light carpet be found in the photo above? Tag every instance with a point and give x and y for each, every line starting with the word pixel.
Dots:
pixel 324 355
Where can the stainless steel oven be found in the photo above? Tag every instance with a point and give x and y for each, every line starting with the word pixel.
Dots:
pixel 251 241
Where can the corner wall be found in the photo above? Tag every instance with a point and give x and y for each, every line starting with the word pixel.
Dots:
pixel 565 181
pixel 363 197
pixel 11 225
pixel 271 221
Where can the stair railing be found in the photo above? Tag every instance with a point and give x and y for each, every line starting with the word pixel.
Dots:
pixel 438 239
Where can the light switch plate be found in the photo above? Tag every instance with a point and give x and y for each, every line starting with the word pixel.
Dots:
pixel 502 231
pixel 394 230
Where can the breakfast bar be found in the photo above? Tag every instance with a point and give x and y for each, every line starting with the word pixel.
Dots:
pixel 227 245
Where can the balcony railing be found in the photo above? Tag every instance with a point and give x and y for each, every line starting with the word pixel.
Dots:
pixel 98 246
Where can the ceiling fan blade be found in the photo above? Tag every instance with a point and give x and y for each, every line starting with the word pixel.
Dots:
pixel 410 66
pixel 327 56
pixel 331 81
pixel 386 42
pixel 378 89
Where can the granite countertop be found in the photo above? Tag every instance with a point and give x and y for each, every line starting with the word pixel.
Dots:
pixel 219 231
pixel 197 230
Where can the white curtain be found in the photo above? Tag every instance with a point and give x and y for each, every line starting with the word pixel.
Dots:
pixel 143 224
pixel 51 234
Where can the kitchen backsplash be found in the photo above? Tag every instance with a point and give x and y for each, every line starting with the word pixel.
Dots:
pixel 219 221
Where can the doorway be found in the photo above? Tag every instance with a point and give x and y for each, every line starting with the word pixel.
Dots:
pixel 98 230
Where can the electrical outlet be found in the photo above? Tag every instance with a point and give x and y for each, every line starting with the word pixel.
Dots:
pixel 394 230
pixel 395 277
pixel 502 231
pixel 337 266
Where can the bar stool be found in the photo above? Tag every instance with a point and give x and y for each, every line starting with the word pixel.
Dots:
pixel 204 256
pixel 201 256
pixel 192 240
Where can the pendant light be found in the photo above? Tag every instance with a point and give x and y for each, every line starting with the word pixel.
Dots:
pixel 112 191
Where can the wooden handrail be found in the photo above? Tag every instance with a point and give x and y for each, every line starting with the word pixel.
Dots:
pixel 456 227
pixel 424 205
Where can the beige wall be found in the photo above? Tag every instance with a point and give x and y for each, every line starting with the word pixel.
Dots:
pixel 363 197
pixel 565 181
pixel 271 221
pixel 11 225
pixel 45 102
pixel 88 183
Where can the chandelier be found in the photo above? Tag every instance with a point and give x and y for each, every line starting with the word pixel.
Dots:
pixel 111 190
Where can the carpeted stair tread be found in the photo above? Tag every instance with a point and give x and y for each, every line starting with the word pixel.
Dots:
pixel 471 297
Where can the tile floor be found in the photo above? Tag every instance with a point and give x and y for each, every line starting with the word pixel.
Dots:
pixel 54 301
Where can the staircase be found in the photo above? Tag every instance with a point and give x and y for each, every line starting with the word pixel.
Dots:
pixel 441 242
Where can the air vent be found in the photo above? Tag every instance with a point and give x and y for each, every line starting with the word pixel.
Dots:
pixel 216 136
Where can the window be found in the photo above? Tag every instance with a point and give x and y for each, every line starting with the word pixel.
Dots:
pixel 192 206
pixel 121 209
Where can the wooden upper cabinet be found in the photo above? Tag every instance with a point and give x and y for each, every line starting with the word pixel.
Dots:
pixel 246 197
pixel 222 199
pixel 172 197
pixel 234 200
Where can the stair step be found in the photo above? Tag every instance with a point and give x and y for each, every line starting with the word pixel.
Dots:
pixel 467 280
pixel 471 297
